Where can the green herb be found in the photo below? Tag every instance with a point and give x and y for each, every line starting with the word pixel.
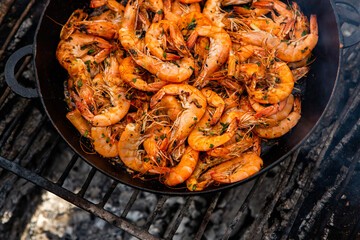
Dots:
pixel 146 159
pixel 303 51
pixel 86 133
pixel 160 12
pixel 297 13
pixel 288 8
pixel 195 118
pixel 258 64
pixel 79 83
pixel 88 63
pixel 191 68
pixel 164 55
pixel 119 95
pixel 102 135
pixel 207 47
pixel 224 127
pixel 265 97
pixel 267 22
pixel 192 24
pixel 211 145
pixel 90 51
pixel 194 187
pixel 156 138
pixel 107 140
pixel 110 145
pixel 303 33
pixel 277 80
pixel 134 80
pixel 162 137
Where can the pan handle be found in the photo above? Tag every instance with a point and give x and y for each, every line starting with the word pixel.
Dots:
pixel 348 13
pixel 10 70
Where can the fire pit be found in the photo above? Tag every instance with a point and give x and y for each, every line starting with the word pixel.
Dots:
pixel 312 194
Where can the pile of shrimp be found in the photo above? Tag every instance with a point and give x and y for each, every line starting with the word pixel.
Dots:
pixel 182 90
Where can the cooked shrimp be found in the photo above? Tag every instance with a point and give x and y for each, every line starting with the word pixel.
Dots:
pixel 289 51
pixel 103 142
pixel 219 49
pixel 204 139
pixel 172 107
pixel 130 73
pixel 156 143
pixel 299 73
pixel 111 71
pixel 234 2
pixel 214 100
pixel 286 14
pixel 189 22
pixel 184 169
pixel 239 143
pixel 70 53
pixel 100 28
pixel 156 39
pixel 253 12
pixel 201 51
pixel 262 111
pixel 129 153
pixel 285 111
pixel 157 7
pixel 111 4
pixel 247 51
pixel 198 181
pixel 213 11
pixel 194 104
pixel 284 125
pixel 68 28
pixel 236 169
pixel 174 10
pixel 79 122
pixel 279 90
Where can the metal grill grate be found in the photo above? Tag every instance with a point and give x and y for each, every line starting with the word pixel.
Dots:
pixel 300 198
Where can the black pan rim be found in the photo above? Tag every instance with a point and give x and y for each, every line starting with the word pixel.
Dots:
pixel 221 187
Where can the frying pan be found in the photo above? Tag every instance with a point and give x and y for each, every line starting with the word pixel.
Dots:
pixel 317 89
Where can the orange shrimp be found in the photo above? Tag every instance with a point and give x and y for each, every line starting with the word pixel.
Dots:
pixel 171 106
pixel 214 100
pixel 236 169
pixel 79 122
pixel 284 125
pixel 184 169
pixel 103 142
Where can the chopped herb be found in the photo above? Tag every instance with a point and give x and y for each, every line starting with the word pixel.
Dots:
pixel 288 8
pixel 160 12
pixel 207 47
pixel 119 95
pixel 79 83
pixel 211 145
pixel 132 51
pixel 303 51
pixel 272 62
pixel 267 22
pixel 157 112
pixel 91 51
pixel 164 55
pixel 192 24
pixel 194 187
pixel 195 118
pixel 156 138
pixel 134 80
pixel 303 33
pixel 224 127
pixel 258 64
pixel 277 80
pixel 265 97
pixel 297 13
pixel 106 63
pixel 102 135
pixel 237 140
pixel 146 159
pixel 86 133
pixel 110 145
pixel 162 137
pixel 107 140
pixel 88 62
pixel 191 68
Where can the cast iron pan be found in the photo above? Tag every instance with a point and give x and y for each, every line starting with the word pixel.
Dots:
pixel 316 90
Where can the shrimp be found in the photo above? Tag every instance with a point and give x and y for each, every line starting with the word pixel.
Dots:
pixel 253 12
pixel 277 91
pixel 157 7
pixel 129 153
pixel 284 125
pixel 299 73
pixel 214 100
pixel 184 169
pixel 194 104
pixel 172 107
pixel 285 111
pixel 111 4
pixel 100 28
pixel 288 51
pixel 79 122
pixel 68 28
pixel 174 10
pixel 130 74
pixel 189 22
pixel 239 143
pixel 70 53
pixel 247 51
pixel 286 14
pixel 203 139
pixel 155 144
pixel 198 181
pixel 201 51
pixel 103 142
pixel 262 111
pixel 236 169
pixel 111 72
pixel 219 49
pixel 156 39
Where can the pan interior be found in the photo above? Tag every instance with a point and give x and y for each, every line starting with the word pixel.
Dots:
pixel 316 90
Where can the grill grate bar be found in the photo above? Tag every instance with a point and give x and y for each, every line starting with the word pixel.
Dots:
pixel 207 216
pixel 86 183
pixel 16 27
pixel 46 156
pixel 5 5
pixel 283 180
pixel 243 207
pixel 108 194
pixel 75 199
pixel 67 170
pixel 33 135
pixel 130 203
pixel 180 215
pixel 14 122
pixel 157 209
